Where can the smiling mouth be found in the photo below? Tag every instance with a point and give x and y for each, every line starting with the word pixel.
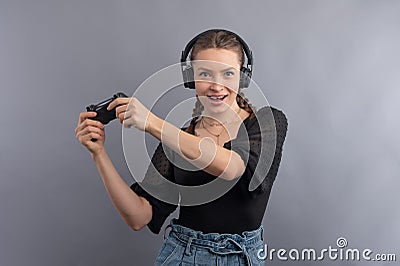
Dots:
pixel 219 98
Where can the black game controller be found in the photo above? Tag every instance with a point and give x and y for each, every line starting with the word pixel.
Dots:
pixel 104 115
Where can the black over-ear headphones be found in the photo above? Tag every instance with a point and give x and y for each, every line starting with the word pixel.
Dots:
pixel 187 70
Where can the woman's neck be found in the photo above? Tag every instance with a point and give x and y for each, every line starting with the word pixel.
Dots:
pixel 228 116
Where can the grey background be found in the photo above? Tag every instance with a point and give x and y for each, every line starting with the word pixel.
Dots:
pixel 331 66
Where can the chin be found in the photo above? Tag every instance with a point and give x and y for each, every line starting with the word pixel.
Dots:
pixel 218 109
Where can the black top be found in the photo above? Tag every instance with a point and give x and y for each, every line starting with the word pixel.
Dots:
pixel 238 209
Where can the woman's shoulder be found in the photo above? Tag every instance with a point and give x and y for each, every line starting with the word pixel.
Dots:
pixel 270 109
pixel 267 114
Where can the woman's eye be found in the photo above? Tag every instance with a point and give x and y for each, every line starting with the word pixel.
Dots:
pixel 229 73
pixel 204 74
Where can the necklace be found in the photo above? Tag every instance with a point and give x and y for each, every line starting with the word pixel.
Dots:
pixel 212 124
pixel 219 134
pixel 215 135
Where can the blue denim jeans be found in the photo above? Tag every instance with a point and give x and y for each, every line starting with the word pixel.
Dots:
pixel 184 246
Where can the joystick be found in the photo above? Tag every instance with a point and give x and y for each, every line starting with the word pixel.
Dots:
pixel 104 115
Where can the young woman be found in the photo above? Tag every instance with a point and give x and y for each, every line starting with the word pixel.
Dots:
pixel 223 141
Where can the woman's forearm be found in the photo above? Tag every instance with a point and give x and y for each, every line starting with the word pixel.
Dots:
pixel 135 211
pixel 202 152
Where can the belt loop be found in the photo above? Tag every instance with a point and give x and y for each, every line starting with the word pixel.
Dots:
pixel 187 250
pixel 166 229
pixel 246 255
pixel 262 232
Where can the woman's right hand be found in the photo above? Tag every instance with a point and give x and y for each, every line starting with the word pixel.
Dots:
pixel 89 129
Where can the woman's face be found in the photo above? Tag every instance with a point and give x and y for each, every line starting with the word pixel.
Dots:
pixel 217 78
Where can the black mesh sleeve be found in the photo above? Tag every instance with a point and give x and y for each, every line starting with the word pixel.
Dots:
pixel 160 165
pixel 261 149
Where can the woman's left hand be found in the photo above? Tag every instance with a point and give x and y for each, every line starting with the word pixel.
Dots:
pixel 131 112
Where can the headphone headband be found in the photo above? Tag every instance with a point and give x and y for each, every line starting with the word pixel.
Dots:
pixel 190 45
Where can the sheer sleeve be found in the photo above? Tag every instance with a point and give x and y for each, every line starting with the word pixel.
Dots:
pixel 159 168
pixel 260 146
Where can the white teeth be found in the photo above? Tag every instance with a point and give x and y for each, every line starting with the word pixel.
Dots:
pixel 217 98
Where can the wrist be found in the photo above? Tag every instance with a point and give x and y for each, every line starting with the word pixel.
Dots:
pixel 99 154
pixel 153 124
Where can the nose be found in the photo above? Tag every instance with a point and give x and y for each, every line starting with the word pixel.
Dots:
pixel 216 86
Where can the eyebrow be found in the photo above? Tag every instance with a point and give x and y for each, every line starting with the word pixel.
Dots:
pixel 210 70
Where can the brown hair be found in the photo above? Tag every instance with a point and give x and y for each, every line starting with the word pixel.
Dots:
pixel 224 40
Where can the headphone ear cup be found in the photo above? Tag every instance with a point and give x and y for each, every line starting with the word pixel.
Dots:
pixel 188 77
pixel 245 77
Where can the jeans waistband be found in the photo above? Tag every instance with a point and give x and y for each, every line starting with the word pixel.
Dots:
pixel 217 243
